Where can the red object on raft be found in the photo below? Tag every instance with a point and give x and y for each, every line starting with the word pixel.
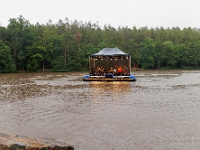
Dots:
pixel 119 70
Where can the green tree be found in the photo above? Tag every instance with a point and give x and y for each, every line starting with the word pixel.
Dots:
pixel 35 58
pixel 169 54
pixel 147 52
pixel 3 33
pixel 6 61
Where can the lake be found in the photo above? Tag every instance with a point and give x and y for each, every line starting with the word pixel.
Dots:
pixel 161 110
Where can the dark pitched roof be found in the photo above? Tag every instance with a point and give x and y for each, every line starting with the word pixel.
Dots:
pixel 110 52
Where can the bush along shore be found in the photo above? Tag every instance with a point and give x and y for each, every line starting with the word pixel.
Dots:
pixel 8 142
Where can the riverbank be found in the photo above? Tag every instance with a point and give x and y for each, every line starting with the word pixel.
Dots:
pixel 8 142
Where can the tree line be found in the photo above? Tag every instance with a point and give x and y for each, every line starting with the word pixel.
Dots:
pixel 66 45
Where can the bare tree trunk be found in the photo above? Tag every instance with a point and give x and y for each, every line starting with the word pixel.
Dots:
pixel 15 55
pixel 65 56
pixel 43 67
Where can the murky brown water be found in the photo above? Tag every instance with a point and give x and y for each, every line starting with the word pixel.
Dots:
pixel 159 111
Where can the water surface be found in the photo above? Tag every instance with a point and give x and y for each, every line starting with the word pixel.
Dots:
pixel 159 111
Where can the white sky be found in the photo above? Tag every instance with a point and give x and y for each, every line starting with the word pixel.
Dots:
pixel 139 13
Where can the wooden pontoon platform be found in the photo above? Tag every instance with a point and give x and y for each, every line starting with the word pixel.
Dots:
pixel 110 64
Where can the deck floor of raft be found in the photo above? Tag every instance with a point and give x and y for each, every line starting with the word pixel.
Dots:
pixel 109 79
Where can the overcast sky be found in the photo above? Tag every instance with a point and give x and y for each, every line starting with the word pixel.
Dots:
pixel 139 13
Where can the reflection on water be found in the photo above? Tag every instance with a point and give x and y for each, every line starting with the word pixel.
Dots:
pixel 159 111
pixel 116 90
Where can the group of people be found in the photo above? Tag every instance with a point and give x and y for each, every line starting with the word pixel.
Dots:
pixel 116 70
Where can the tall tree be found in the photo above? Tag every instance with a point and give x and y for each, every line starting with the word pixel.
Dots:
pixel 147 51
pixel 6 61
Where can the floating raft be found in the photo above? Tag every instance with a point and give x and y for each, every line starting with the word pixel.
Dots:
pixel 109 64
pixel 130 78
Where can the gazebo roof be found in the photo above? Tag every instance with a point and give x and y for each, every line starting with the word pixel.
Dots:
pixel 110 52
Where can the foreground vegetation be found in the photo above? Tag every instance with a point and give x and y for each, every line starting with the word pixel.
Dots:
pixel 66 45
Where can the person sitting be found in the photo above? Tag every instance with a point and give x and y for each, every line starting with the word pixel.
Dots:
pixel 125 71
pixel 120 71
pixel 98 71
pixel 115 69
pixel 102 71
pixel 111 70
